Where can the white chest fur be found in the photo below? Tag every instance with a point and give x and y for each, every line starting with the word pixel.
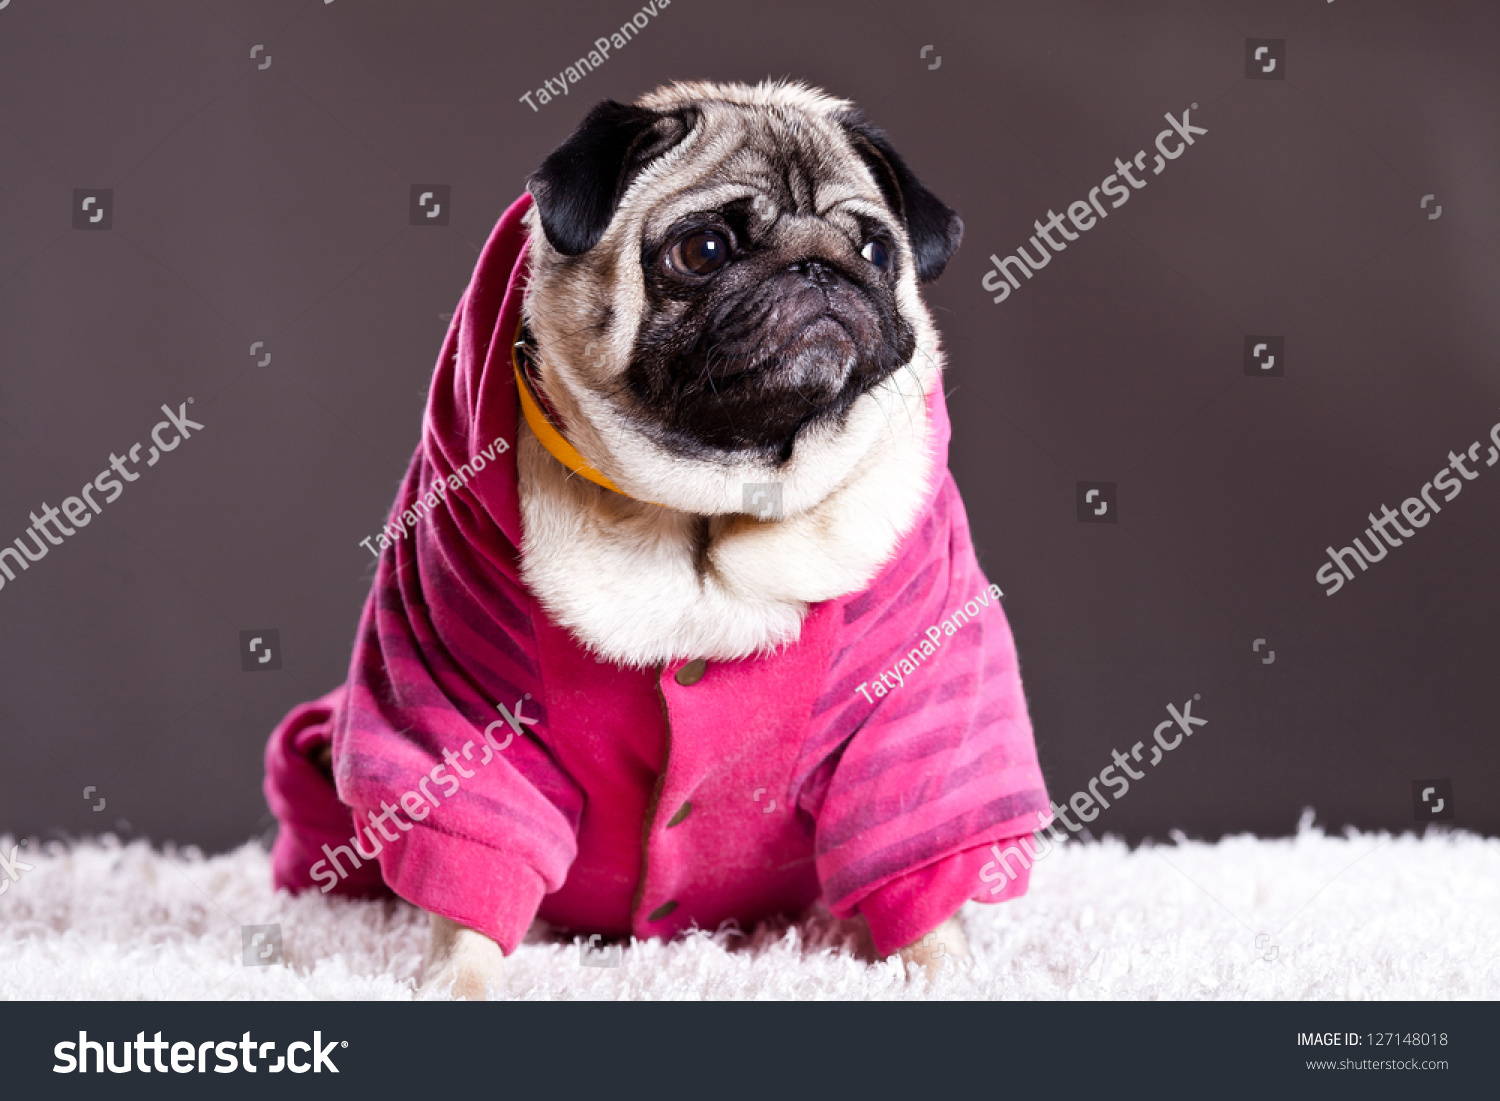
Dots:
pixel 641 584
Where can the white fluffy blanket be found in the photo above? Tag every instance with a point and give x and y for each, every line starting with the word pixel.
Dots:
pixel 1357 916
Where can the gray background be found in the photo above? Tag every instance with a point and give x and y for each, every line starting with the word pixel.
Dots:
pixel 271 204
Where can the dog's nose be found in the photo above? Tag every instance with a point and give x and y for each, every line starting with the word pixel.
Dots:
pixel 819 271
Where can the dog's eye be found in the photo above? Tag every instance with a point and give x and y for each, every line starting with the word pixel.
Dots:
pixel 878 253
pixel 701 253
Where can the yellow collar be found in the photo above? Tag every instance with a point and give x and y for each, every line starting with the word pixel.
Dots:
pixel 546 432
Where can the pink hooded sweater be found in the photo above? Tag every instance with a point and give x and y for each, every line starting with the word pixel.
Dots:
pixel 490 769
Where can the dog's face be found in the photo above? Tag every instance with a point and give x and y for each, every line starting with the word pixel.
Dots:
pixel 727 270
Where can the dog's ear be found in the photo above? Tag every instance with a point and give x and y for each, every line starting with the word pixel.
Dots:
pixel 935 230
pixel 579 186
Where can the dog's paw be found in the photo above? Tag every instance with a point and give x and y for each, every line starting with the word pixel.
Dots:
pixel 461 963
pixel 946 942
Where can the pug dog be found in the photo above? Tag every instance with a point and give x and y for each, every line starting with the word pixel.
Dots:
pixel 723 292
pixel 721 590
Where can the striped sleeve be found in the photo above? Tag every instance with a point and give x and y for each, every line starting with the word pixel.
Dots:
pixel 484 824
pixel 926 723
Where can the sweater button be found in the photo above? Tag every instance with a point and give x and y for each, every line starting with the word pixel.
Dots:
pixel 662 911
pixel 691 673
